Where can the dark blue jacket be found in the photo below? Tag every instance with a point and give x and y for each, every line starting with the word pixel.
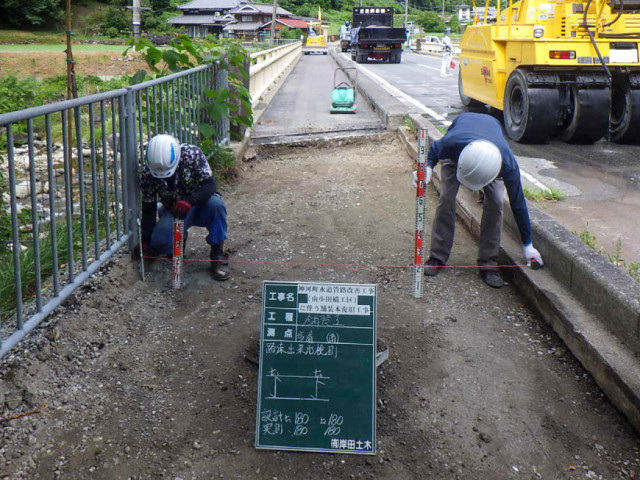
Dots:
pixel 477 126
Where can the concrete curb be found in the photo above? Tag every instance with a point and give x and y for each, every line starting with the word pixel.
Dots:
pixel 590 303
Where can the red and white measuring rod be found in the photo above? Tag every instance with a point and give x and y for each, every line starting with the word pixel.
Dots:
pixel 178 233
pixel 418 250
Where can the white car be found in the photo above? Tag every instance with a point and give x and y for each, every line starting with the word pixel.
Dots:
pixel 431 44
pixel 432 39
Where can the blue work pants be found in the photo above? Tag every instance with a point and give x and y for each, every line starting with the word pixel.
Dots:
pixel 211 215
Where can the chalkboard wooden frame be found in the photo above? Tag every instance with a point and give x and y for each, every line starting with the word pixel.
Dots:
pixel 317 374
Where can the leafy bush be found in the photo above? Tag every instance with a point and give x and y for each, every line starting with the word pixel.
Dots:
pixel 185 53
pixel 116 19
pixel 292 33
pixel 234 101
pixel 16 94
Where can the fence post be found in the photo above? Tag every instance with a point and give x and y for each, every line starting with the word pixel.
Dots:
pixel 220 80
pixel 130 169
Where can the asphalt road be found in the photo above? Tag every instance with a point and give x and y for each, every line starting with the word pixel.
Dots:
pixel 601 181
pixel 301 108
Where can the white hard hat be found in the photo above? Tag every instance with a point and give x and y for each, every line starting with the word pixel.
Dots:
pixel 479 164
pixel 163 155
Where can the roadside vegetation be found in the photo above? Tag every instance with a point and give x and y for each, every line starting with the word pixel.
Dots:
pixel 545 194
pixel 632 269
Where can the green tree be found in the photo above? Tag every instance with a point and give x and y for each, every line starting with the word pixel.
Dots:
pixel 454 24
pixel 292 33
pixel 118 19
pixel 430 22
pixel 26 13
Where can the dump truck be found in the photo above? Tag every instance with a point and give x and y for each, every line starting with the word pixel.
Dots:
pixel 556 68
pixel 345 36
pixel 373 35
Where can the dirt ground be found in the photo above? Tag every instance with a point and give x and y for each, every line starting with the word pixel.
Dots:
pixel 137 381
pixel 40 65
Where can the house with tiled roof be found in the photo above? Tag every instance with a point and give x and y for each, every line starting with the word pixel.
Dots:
pixel 240 18
pixel 289 22
pixel 206 17
pixel 252 18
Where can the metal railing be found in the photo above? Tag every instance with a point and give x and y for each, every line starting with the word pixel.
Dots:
pixel 73 185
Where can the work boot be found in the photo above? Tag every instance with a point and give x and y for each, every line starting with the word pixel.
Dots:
pixel 433 267
pixel 492 278
pixel 220 259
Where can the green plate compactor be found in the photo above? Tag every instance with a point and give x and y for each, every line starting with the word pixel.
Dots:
pixel 343 97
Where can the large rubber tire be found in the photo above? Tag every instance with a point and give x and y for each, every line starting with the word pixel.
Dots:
pixel 530 114
pixel 588 117
pixel 361 58
pixel 466 101
pixel 625 113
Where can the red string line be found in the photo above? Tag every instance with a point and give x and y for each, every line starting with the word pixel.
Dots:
pixel 265 262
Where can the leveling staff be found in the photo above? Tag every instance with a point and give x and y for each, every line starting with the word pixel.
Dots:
pixel 180 178
pixel 474 153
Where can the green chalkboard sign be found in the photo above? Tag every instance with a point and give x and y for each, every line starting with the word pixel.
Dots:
pixel 317 387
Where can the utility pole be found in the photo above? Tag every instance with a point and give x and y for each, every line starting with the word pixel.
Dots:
pixel 406 11
pixel 273 22
pixel 70 62
pixel 72 91
pixel 136 19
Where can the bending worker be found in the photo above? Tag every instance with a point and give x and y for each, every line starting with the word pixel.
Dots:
pixel 474 153
pixel 180 178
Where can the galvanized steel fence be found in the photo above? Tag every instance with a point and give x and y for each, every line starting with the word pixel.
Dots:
pixel 73 196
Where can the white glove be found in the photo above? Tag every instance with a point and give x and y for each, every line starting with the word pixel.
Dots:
pixel 427 177
pixel 530 253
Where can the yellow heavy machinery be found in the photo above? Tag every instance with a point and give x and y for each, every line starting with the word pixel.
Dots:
pixel 315 41
pixel 557 68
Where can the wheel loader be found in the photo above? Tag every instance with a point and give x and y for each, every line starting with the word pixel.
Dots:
pixel 557 68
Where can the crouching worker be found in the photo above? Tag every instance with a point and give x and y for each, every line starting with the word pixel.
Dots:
pixel 180 179
pixel 474 153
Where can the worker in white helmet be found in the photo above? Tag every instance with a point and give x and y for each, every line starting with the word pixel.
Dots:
pixel 474 153
pixel 179 177
pixel 447 54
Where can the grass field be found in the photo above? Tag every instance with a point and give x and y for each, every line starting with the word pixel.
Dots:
pixel 41 64
pixel 40 48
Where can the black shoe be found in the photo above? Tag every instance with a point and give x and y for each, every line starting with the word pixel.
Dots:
pixel 432 267
pixel 220 259
pixel 492 278
pixel 219 273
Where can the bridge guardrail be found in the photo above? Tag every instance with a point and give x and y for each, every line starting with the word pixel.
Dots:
pixel 268 65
